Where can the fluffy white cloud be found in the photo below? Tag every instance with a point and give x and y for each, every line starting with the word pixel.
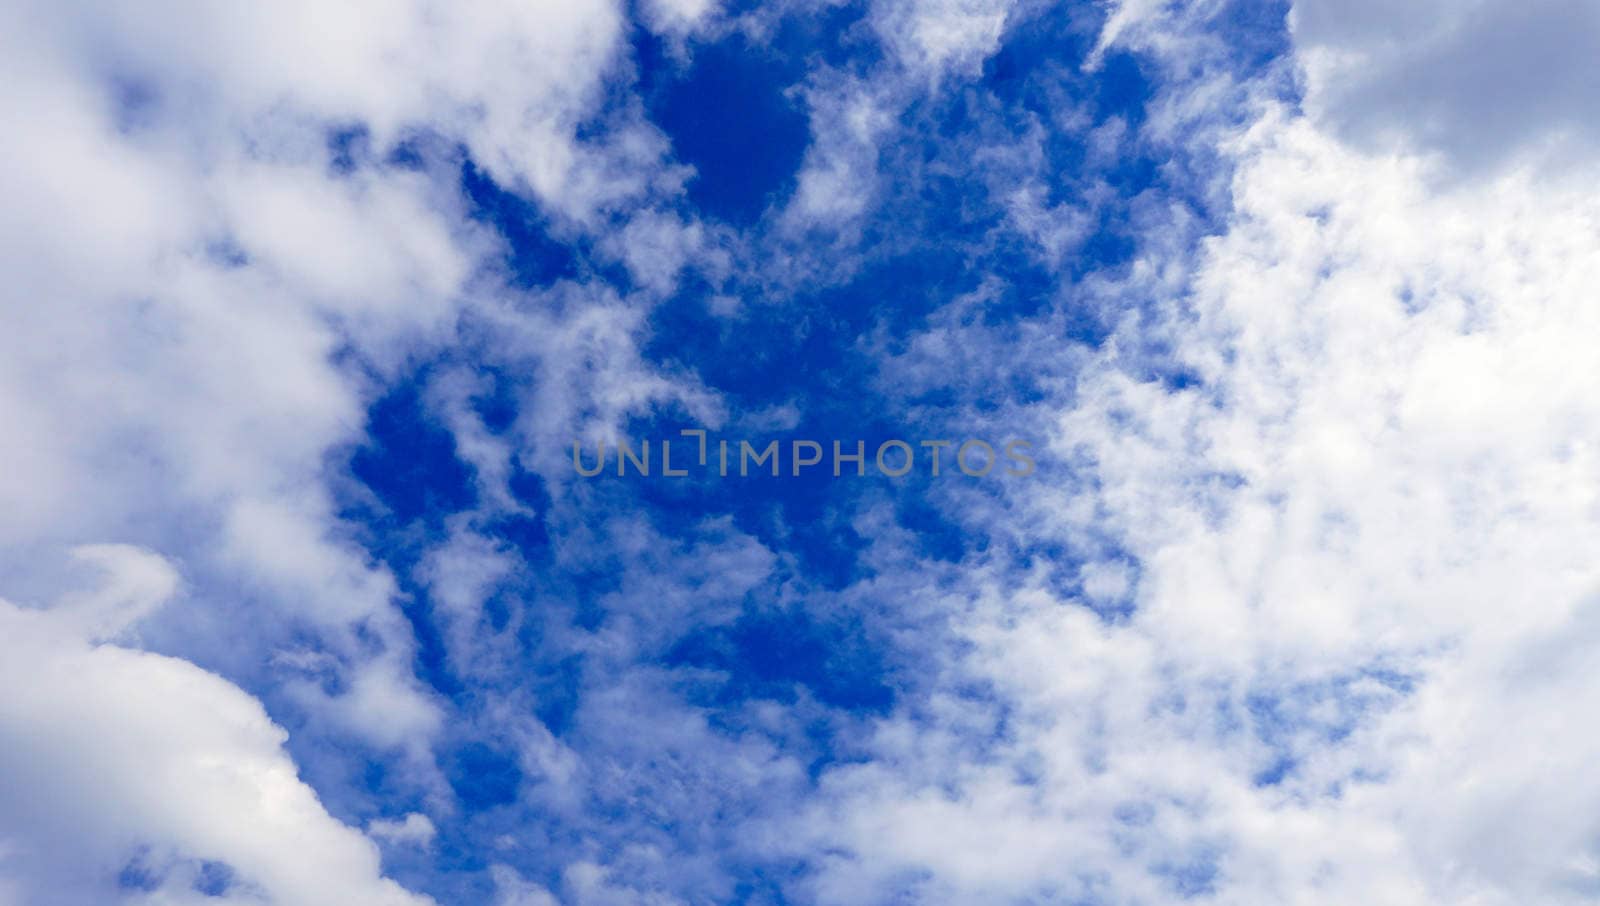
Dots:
pixel 1388 468
pixel 1484 82
pixel 414 830
pixel 935 38
pixel 151 380
pixel 678 18
pixel 838 178
pixel 1477 85
pixel 509 79
pixel 132 776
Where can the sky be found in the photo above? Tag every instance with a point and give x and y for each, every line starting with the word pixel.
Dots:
pixel 315 315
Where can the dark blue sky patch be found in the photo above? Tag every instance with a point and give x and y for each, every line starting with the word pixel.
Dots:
pixel 1275 772
pixel 409 461
pixel 805 515
pixel 1029 289
pixel 530 491
pixel 139 874
pixel 1110 247
pixel 529 536
pixel 408 480
pixel 433 658
pixel 556 693
pixel 214 879
pixel 836 36
pixel 408 153
pixel 348 147
pixel 729 118
pixel 808 349
pixel 769 655
pixel 1179 379
pixel 1085 325
pixel 1058 37
pixel 938 536
pixel 497 405
pixel 483 777
pixel 1122 89
pixel 1134 174
pixel 899 291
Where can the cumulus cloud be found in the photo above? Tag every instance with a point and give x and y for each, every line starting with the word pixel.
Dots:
pixel 1484 83
pixel 133 775
pixel 1394 385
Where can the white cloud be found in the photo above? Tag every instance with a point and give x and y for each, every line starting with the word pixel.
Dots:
pixel 838 179
pixel 584 883
pixel 1402 380
pixel 679 18
pixel 120 760
pixel 1485 82
pixel 511 889
pixel 133 584
pixel 510 79
pixel 414 829
pixel 656 247
pixel 936 38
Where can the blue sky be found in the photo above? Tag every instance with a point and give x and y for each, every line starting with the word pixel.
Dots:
pixel 303 600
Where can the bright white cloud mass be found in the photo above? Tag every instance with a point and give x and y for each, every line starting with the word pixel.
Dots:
pixel 302 601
